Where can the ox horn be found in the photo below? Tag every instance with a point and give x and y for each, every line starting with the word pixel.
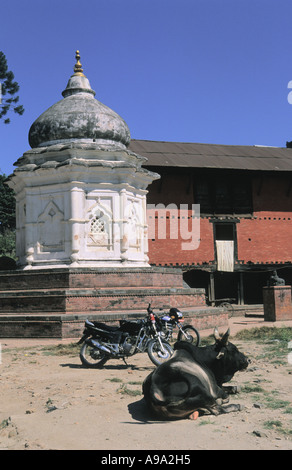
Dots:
pixel 225 337
pixel 216 334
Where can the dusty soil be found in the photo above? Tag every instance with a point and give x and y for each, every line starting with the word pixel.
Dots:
pixel 53 402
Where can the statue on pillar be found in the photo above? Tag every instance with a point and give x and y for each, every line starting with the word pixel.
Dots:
pixel 275 280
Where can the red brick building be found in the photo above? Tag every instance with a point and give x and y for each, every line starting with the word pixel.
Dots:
pixel 245 198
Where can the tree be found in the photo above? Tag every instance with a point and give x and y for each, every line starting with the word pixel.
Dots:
pixel 7 206
pixel 7 219
pixel 8 87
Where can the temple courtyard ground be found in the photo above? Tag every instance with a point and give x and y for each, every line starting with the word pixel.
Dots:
pixel 50 401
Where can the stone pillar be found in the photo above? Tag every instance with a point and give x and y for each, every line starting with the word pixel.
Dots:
pixel 277 303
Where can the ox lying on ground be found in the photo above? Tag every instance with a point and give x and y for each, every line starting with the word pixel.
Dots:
pixel 192 380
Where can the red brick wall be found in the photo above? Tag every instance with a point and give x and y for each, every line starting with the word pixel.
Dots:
pixel 263 238
pixel 266 239
pixel 169 251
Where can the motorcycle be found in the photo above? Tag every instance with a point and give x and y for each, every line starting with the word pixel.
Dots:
pixel 174 319
pixel 102 342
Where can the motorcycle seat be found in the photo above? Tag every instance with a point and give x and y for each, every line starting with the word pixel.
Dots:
pixel 102 326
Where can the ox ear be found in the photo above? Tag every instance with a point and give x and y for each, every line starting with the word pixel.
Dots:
pixel 224 340
pixel 219 355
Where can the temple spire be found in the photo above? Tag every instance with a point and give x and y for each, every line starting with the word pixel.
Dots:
pixel 78 82
pixel 78 67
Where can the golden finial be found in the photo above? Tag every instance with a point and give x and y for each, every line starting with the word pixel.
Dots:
pixel 78 67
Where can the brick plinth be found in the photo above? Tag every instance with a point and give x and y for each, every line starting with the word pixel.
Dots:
pixel 90 278
pixel 54 303
pixel 71 326
pixel 92 301
pixel 277 303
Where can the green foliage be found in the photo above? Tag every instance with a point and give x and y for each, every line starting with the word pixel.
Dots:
pixel 8 91
pixel 7 206
pixel 7 219
pixel 7 244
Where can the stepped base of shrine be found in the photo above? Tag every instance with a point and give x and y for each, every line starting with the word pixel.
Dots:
pixel 55 302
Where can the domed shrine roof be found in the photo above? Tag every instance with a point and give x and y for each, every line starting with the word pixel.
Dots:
pixel 79 117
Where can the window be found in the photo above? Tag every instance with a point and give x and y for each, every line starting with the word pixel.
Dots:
pixel 99 230
pixel 223 194
pixel 97 225
pixel 224 231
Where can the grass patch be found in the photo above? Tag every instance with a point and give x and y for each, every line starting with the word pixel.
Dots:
pixel 252 389
pixel 277 425
pixel 266 333
pixel 272 424
pixel 274 403
pixel 49 350
pixel 268 399
pixel 5 423
pixel 260 334
pixel 61 350
pixel 203 422
pixel 275 341
pixel 124 390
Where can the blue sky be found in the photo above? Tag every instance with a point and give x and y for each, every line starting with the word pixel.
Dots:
pixel 214 71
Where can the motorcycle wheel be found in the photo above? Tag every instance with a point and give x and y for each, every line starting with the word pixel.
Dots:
pixel 92 357
pixel 155 353
pixel 190 335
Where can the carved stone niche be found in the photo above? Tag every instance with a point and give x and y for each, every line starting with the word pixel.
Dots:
pixel 135 226
pixel 50 229
pixel 100 227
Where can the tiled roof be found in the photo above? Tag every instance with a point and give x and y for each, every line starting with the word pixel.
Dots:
pixel 194 155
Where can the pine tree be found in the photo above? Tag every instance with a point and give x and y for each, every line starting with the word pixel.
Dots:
pixel 8 87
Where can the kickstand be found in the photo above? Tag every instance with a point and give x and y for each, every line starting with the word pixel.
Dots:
pixel 125 361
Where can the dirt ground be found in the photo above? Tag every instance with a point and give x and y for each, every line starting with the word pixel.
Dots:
pixel 53 402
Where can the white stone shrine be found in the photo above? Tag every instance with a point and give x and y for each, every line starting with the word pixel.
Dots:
pixel 80 193
pixel 81 227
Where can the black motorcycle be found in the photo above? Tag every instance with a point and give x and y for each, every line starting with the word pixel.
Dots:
pixel 174 319
pixel 102 342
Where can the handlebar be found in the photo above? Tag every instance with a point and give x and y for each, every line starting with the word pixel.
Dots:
pixel 151 313
pixel 149 309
